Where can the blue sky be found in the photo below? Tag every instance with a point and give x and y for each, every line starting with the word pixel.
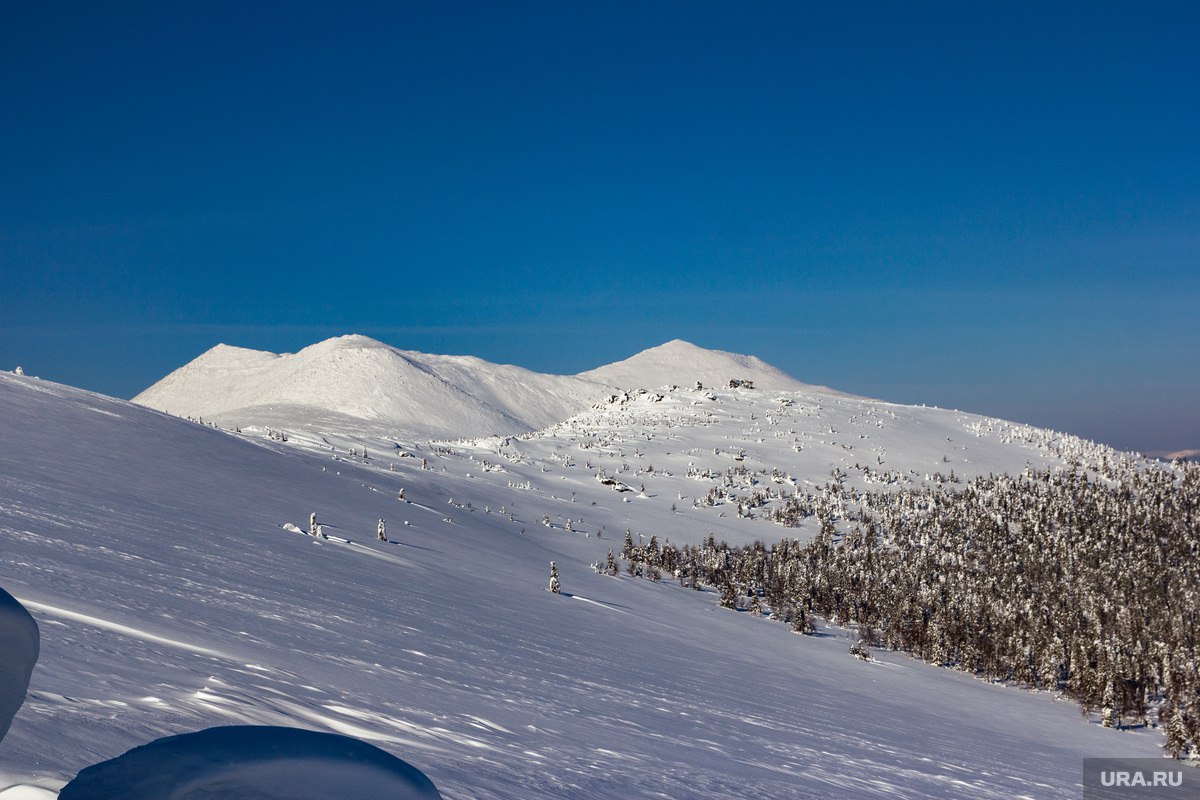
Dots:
pixel 994 209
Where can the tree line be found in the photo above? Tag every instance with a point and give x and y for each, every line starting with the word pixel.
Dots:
pixel 1084 583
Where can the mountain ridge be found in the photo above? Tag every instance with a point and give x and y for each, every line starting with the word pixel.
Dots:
pixel 355 378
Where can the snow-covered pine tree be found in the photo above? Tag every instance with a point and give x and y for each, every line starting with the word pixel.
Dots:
pixel 1107 711
pixel 729 595
pixel 1178 738
pixel 802 622
pixel 554 585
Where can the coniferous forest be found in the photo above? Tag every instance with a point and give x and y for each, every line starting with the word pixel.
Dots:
pixel 1084 583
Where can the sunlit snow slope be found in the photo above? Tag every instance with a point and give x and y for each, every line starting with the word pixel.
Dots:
pixel 150 551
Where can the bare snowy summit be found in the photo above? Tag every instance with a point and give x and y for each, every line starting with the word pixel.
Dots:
pixel 349 380
pixel 355 382
pixel 684 364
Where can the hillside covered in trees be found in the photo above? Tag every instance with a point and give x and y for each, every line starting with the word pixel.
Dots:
pixel 1084 584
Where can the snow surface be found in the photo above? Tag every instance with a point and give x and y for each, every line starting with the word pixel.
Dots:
pixel 252 762
pixel 172 596
pixel 18 654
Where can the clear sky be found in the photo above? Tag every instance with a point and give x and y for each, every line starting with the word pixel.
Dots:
pixel 992 207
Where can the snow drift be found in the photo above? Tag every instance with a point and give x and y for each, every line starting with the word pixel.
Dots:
pixel 252 762
pixel 19 645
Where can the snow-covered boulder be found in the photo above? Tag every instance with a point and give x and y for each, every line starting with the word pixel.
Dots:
pixel 19 644
pixel 252 762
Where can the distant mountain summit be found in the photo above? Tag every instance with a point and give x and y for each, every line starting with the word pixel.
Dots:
pixel 684 364
pixel 358 382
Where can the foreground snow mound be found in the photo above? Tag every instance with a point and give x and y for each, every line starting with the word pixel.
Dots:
pixel 19 642
pixel 27 792
pixel 252 762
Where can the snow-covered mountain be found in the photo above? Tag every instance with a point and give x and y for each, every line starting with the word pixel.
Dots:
pixel 637 416
pixel 642 421
pixel 354 383
pixel 166 564
pixel 681 363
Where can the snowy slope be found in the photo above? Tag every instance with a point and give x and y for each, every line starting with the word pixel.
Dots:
pixel 170 599
pixel 673 448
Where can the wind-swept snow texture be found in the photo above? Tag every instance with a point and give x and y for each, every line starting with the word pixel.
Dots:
pixel 252 762
pixel 18 653
pixel 172 598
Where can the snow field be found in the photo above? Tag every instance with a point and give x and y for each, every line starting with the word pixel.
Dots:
pixel 171 599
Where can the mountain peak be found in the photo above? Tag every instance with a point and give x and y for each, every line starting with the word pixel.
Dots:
pixel 682 363
pixel 350 341
pixel 349 381
pixel 356 380
pixel 677 346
